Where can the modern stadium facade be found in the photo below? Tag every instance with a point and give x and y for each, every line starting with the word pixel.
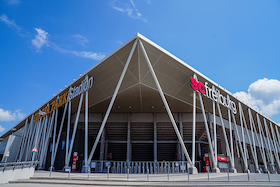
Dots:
pixel 141 108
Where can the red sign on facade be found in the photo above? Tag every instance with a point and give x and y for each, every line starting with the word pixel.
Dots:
pixel 74 164
pixel 34 150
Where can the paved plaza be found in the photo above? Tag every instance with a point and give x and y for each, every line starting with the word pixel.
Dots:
pixel 43 179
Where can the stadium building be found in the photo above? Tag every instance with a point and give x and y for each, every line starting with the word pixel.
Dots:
pixel 143 109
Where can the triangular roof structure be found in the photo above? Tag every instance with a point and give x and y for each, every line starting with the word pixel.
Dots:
pixel 138 91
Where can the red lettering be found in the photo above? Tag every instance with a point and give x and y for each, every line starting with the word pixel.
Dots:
pixel 202 91
pixel 194 84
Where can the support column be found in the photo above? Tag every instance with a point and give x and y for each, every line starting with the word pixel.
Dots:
pixel 165 103
pixel 86 167
pixel 155 137
pixel 22 139
pixel 112 102
pixel 66 167
pixel 262 144
pixel 102 146
pixel 207 131
pixel 253 139
pixel 232 169
pixel 215 162
pixel 244 143
pixel 75 128
pixel 192 166
pixel 181 131
pixel 128 144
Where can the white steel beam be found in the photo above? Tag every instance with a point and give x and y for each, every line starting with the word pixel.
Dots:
pixel 75 128
pixel 275 146
pixel 46 142
pixel 22 141
pixel 233 170
pixel 67 137
pixel 243 154
pixel 243 138
pixel 250 143
pixel 208 134
pixel 36 138
pixel 194 126
pixel 269 147
pixel 111 103
pixel 166 105
pixel 59 134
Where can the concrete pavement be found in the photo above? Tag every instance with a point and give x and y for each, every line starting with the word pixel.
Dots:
pixel 180 179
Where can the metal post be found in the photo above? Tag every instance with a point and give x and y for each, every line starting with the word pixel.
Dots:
pixel 275 145
pixel 193 126
pixel 231 139
pixel 215 169
pixel 253 138
pixel 22 139
pixel 248 135
pixel 29 138
pixel 128 139
pixel 46 142
pixel 108 168
pixel 86 131
pixel 262 145
pixel 243 138
pixel 165 102
pixel 207 129
pixel 268 142
pixel 36 137
pixel 127 173
pixel 155 138
pixel 67 136
pixel 54 134
pixel 75 128
pixel 112 102
pixel 181 131
pixel 59 134
pixel 147 174
pixel 168 173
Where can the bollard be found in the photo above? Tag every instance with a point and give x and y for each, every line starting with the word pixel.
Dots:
pixel 69 174
pixel 268 175
pixel 88 174
pixel 208 174
pixel 228 174
pixel 127 173
pixel 188 174
pixel 108 168
pixel 248 176
pixel 147 174
pixel 168 173
pixel 51 172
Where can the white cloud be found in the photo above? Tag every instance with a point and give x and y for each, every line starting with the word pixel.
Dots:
pixel 7 115
pixel 40 39
pixel 10 23
pixel 13 2
pixel 263 95
pixel 1 128
pixel 126 9
pixel 86 54
pixel 80 39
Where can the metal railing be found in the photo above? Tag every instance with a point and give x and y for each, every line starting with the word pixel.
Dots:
pixel 140 167
pixel 13 165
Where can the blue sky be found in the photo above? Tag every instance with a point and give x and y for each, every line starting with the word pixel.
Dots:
pixel 44 45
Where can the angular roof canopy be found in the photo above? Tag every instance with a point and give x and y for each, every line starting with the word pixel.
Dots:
pixel 138 91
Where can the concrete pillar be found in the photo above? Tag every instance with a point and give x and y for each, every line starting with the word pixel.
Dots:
pixel 128 146
pixel 102 146
pixel 182 155
pixel 155 137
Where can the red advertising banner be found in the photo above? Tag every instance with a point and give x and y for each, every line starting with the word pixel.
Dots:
pixel 74 164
